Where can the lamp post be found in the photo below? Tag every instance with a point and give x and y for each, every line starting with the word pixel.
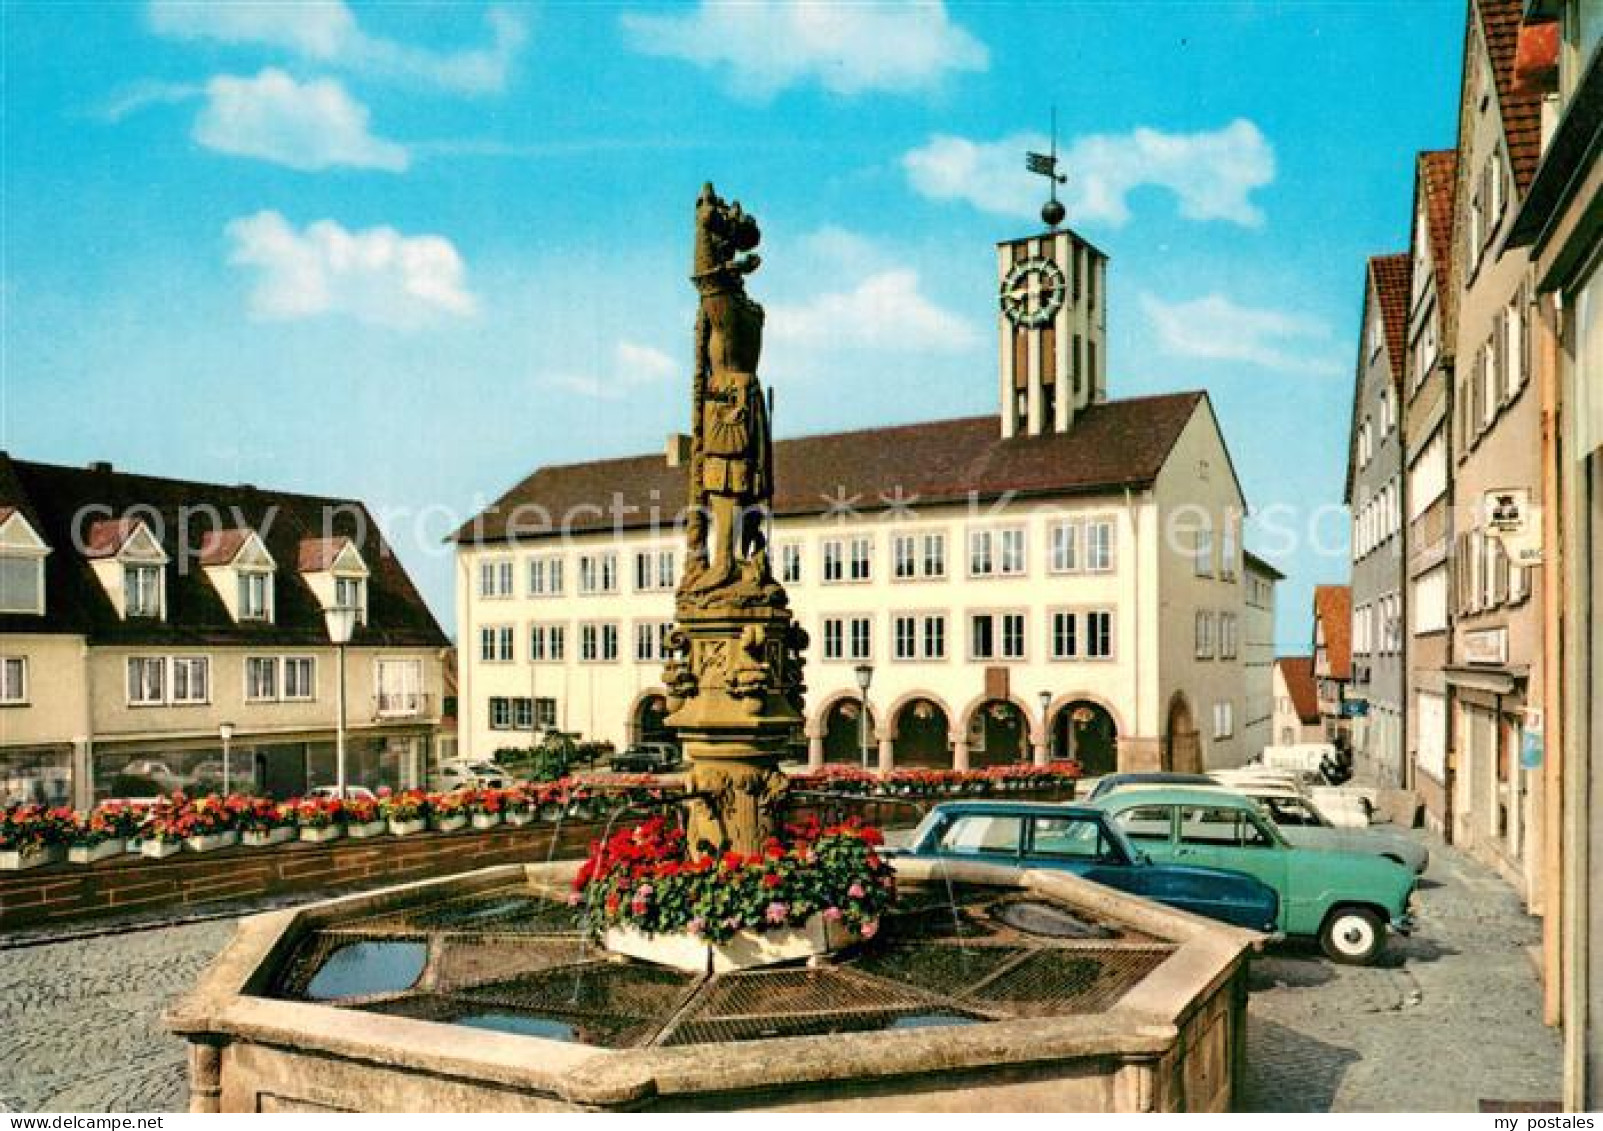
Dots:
pixel 1047 737
pixel 865 678
pixel 341 622
pixel 225 731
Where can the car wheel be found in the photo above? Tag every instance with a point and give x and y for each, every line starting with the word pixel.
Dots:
pixel 1352 935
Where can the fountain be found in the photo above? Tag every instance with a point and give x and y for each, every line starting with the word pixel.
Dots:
pixel 656 977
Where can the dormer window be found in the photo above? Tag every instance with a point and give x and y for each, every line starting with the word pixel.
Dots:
pixel 256 596
pixel 351 593
pixel 334 569
pixel 241 570
pixel 22 565
pixel 141 591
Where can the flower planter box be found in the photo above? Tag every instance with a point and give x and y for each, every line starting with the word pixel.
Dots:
pixel 266 838
pixel 322 834
pixel 483 821
pixel 519 817
pixel 448 824
pixel 160 849
pixel 16 860
pixel 407 828
pixel 94 853
pixel 744 951
pixel 367 830
pixel 212 841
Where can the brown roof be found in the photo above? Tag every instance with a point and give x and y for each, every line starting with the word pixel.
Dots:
pixel 1298 672
pixel 1112 445
pixel 54 497
pixel 1519 104
pixel 219 547
pixel 1437 172
pixel 318 554
pixel 1392 275
pixel 1333 609
pixel 107 536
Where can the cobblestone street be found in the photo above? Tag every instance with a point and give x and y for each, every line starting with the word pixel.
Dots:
pixel 1452 1017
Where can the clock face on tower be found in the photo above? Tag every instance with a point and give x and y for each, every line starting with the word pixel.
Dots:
pixel 1032 291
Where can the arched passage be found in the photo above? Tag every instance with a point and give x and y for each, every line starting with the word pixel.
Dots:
pixel 1182 745
pixel 648 721
pixel 922 733
pixel 1084 731
pixel 844 733
pixel 998 734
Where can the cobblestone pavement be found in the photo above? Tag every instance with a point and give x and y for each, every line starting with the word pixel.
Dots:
pixel 1452 1016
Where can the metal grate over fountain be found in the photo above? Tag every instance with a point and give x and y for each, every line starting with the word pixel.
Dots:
pixel 513 960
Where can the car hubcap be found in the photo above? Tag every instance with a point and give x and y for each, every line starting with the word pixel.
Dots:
pixel 1353 936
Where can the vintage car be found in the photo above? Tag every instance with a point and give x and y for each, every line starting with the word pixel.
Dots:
pixel 647 758
pixel 1346 900
pixel 1082 840
pixel 1294 813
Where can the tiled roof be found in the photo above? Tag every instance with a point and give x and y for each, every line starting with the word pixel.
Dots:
pixel 314 555
pixel 1333 609
pixel 219 547
pixel 1438 170
pixel 1519 104
pixel 107 536
pixel 1298 672
pixel 1392 275
pixel 1112 445
pixel 54 497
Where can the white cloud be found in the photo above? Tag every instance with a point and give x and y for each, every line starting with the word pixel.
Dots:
pixel 634 365
pixel 376 275
pixel 327 32
pixel 767 46
pixel 309 126
pixel 1215 328
pixel 1211 174
pixel 886 310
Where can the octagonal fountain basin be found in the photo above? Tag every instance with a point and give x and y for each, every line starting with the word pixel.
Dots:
pixel 985 989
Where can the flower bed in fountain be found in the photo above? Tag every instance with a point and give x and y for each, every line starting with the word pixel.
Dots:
pixel 816 890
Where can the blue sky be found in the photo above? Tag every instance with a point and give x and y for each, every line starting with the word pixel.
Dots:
pixel 409 252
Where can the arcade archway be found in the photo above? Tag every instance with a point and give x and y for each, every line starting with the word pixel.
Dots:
pixel 923 735
pixel 998 734
pixel 1085 732
pixel 649 721
pixel 843 734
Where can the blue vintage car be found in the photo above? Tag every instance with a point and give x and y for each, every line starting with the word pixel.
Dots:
pixel 1084 841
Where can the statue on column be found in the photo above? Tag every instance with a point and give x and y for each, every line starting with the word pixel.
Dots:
pixel 735 676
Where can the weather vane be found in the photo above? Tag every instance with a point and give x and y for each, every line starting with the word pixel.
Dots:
pixel 1046 164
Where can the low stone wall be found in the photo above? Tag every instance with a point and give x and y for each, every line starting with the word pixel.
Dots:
pixel 66 893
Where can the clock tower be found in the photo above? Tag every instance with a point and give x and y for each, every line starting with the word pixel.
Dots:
pixel 1052 325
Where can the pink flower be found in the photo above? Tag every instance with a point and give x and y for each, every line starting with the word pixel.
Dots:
pixel 856 891
pixel 870 928
pixel 778 912
pixel 832 914
pixel 696 925
pixel 574 899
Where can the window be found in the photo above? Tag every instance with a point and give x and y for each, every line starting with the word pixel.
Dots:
pixel 1224 720
pixel 862 638
pixel 1227 636
pixel 1221 828
pixel 1227 552
pixel 834 638
pixel 547 643
pixel 981 637
pixel 654 570
pixel 609 642
pixel 1099 546
pixel 1202 552
pixel 300 678
pixel 935 637
pixel 545 576
pixel 790 563
pixel 1072 838
pixel 22 584
pixel 598 573
pixel 1065 547
pixel 862 550
pixel 255 595
pixel 191 679
pixel 1013 557
pixel 1013 636
pixel 1515 362
pixel 351 593
pixel 905 638
pixel 1204 636
pixel 980 561
pixel 545 713
pixel 834 561
pixel 141 590
pixel 1146 822
pixel 904 556
pixel 934 555
pixel 500 713
pixel 261 679
pixel 1099 634
pixel 598 642
pixel 522 713
pixel 997 636
pixel 1427 479
pixel 13 680
pixel 495 644
pixel 982 836
pixel 651 640
pixel 1065 636
pixel 495 578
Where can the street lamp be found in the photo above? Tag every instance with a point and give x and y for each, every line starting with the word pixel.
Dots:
pixel 341 622
pixel 1046 723
pixel 225 731
pixel 865 678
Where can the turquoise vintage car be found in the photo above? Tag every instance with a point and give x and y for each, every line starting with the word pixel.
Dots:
pixel 1346 900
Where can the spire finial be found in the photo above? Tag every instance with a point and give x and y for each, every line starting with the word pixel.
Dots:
pixel 1046 164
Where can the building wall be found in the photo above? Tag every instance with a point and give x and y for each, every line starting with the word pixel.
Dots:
pixel 1376 499
pixel 39 737
pixel 1498 436
pixel 1288 729
pixel 1258 661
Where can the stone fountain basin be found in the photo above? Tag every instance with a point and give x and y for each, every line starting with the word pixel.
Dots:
pixel 1172 1040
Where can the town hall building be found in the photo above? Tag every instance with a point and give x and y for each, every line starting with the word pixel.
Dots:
pixel 1062 580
